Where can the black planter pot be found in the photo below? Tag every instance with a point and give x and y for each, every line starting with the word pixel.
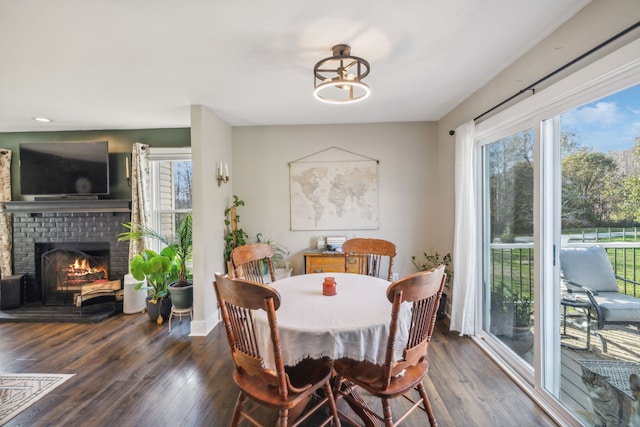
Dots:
pixel 181 296
pixel 162 307
pixel 442 307
pixel 520 339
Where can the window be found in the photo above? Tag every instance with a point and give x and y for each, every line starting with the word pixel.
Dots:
pixel 171 179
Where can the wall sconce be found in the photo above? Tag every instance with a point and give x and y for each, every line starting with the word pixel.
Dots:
pixel 127 172
pixel 220 177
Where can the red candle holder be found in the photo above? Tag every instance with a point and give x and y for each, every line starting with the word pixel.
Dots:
pixel 329 286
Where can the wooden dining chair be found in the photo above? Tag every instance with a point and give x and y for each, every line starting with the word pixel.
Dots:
pixel 370 253
pixel 396 378
pixel 250 261
pixel 287 389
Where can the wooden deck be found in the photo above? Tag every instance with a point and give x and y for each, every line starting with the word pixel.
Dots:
pixel 623 344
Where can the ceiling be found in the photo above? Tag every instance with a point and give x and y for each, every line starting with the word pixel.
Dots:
pixel 133 64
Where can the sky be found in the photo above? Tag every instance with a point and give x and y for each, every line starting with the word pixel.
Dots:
pixel 608 124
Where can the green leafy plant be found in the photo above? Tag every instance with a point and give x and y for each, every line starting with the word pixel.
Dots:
pixel 178 248
pixel 522 311
pixel 157 269
pixel 434 259
pixel 234 236
pixel 511 309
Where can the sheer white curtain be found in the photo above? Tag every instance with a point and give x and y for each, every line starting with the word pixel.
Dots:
pixel 5 218
pixel 140 193
pixel 465 285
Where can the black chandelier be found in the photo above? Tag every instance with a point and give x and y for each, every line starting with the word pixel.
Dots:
pixel 338 79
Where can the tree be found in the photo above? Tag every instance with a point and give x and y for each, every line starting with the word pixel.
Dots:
pixel 626 195
pixel 569 143
pixel 584 181
pixel 623 192
pixel 511 183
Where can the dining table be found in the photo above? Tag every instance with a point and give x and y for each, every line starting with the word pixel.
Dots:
pixel 352 323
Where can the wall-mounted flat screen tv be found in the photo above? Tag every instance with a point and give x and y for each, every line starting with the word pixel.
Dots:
pixel 64 168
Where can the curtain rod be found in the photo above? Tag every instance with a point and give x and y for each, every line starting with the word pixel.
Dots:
pixel 531 87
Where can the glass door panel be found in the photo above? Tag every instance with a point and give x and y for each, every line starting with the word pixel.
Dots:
pixel 508 243
pixel 600 185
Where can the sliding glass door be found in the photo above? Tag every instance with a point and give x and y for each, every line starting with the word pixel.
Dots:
pixel 570 180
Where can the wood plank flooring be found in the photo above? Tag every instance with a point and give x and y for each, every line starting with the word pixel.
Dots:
pixel 132 372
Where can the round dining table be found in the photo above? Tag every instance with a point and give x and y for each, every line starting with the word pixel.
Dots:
pixel 353 323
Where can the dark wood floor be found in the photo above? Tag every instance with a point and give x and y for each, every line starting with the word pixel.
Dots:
pixel 132 372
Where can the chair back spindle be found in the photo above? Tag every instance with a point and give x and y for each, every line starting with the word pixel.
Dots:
pixel 371 254
pixel 249 262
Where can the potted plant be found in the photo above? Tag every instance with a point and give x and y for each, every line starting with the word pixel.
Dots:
pixel 519 336
pixel 179 249
pixel 234 236
pixel 511 319
pixel 155 271
pixel 433 260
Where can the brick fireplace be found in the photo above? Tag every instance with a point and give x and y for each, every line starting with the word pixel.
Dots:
pixel 36 230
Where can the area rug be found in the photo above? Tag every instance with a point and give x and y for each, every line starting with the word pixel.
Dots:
pixel 19 391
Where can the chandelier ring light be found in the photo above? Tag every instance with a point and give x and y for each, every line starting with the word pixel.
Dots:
pixel 338 79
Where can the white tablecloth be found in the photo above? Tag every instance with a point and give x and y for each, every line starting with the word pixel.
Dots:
pixel 354 323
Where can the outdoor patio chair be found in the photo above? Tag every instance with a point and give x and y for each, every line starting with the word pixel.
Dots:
pixel 588 276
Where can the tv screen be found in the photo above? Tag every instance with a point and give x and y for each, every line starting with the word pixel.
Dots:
pixel 64 168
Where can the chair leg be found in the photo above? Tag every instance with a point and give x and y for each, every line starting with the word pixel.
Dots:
pixel 283 418
pixel 343 388
pixel 386 412
pixel 237 411
pixel 332 404
pixel 427 404
pixel 603 341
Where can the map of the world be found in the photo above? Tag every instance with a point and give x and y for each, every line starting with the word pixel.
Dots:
pixel 334 195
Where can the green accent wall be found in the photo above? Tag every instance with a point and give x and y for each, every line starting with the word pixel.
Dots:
pixel 120 144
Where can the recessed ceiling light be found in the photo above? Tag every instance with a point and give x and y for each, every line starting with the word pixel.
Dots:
pixel 42 119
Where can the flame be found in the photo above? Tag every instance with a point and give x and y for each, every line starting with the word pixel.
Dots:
pixel 81 267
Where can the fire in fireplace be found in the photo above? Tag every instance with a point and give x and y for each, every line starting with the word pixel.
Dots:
pixel 66 273
pixel 83 270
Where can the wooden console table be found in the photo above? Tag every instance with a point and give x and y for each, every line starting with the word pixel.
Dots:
pixel 316 261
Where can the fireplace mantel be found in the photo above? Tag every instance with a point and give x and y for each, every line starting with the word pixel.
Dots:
pixel 68 205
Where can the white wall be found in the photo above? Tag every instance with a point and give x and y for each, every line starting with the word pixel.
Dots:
pixel 407 182
pixel 210 143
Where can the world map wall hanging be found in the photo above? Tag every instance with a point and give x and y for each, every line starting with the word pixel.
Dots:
pixel 334 189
